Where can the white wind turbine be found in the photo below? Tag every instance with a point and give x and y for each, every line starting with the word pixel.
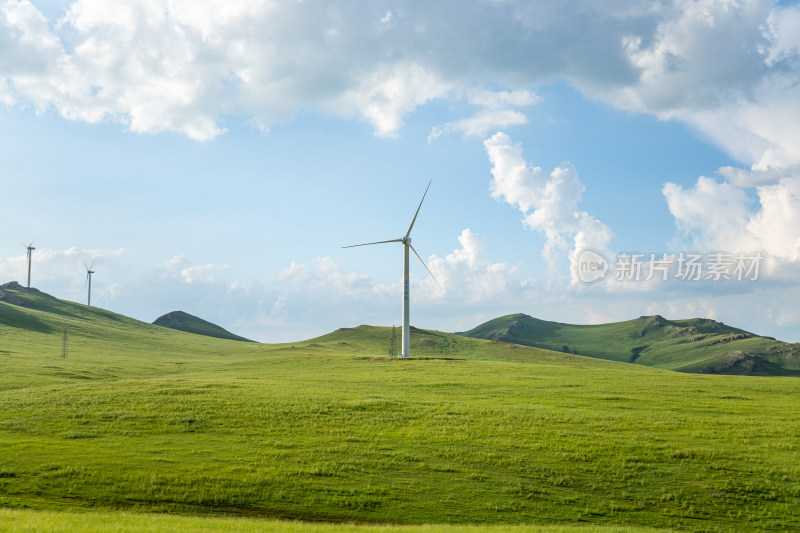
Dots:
pixel 406 240
pixel 89 273
pixel 30 249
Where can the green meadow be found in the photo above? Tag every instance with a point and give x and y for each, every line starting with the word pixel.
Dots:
pixel 146 427
pixel 18 521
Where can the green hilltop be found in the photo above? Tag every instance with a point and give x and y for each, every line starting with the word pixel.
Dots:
pixel 694 345
pixel 183 321
pixel 468 435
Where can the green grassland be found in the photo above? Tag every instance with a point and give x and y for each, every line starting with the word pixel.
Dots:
pixel 143 419
pixel 692 345
pixel 26 521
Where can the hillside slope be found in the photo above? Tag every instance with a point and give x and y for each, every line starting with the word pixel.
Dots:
pixel 183 321
pixel 99 344
pixel 691 345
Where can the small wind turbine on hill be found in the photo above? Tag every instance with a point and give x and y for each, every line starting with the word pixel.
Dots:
pixel 89 273
pixel 30 249
pixel 406 240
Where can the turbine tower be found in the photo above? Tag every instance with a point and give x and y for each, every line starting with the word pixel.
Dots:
pixel 30 249
pixel 406 240
pixel 89 273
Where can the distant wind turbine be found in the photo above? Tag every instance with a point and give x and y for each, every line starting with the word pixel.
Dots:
pixel 89 273
pixel 406 240
pixel 30 253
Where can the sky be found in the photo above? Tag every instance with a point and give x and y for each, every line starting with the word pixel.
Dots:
pixel 589 161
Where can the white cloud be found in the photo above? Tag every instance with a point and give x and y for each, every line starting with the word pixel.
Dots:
pixel 720 216
pixel 549 201
pixel 777 224
pixel 201 273
pixel 494 113
pixel 390 92
pixel 467 276
pixel 480 124
pixel 729 68
pixel 711 215
pixel 325 273
pixel 741 177
pixel 783 31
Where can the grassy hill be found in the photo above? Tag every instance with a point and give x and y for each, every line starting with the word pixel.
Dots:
pixel 139 418
pixel 183 321
pixel 693 345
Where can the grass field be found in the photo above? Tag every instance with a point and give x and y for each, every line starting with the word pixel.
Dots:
pixel 144 419
pixel 18 521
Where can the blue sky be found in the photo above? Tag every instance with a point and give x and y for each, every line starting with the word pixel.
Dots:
pixel 215 157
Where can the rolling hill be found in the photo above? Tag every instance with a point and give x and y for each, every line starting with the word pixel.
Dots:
pixel 183 321
pixel 144 419
pixel 693 345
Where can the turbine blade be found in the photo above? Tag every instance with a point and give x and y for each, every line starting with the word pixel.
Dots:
pixel 420 205
pixel 34 238
pixel 423 264
pixel 368 243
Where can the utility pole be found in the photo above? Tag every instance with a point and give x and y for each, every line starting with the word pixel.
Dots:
pixel 64 346
pixel 393 345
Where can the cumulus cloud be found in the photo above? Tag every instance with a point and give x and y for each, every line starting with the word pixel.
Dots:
pixel 711 215
pixel 466 275
pixel 727 68
pixel 549 201
pixel 390 92
pixel 180 66
pixel 777 223
pixel 715 215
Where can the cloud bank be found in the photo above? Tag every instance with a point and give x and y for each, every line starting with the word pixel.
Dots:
pixel 729 69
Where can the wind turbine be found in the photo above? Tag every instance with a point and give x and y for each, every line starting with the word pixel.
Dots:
pixel 89 273
pixel 30 249
pixel 406 240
